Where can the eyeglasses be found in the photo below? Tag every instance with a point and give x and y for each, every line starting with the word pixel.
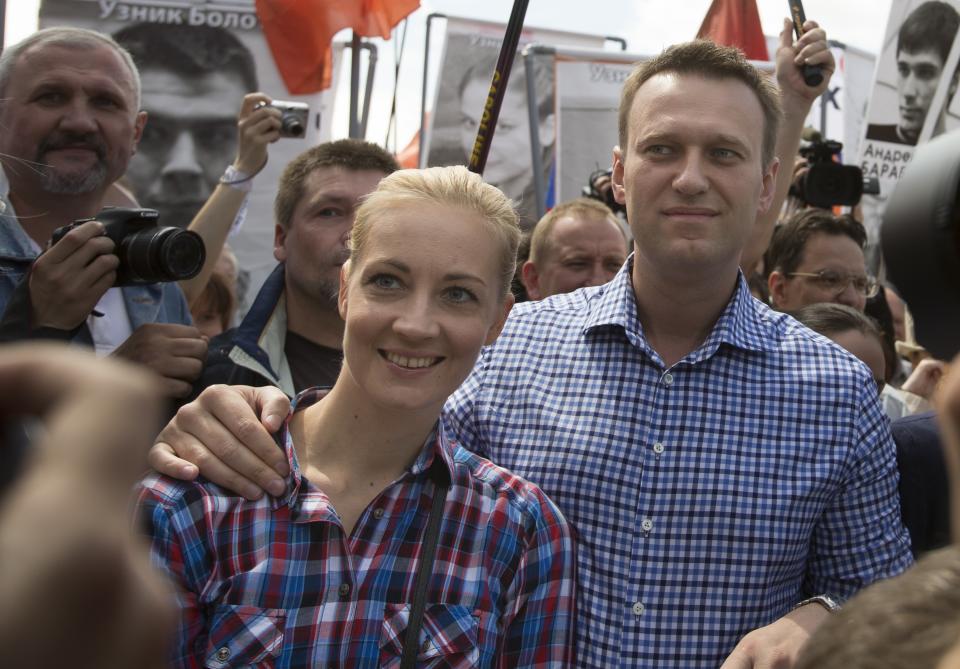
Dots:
pixel 837 282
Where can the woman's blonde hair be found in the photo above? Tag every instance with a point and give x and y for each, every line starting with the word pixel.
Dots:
pixel 454 187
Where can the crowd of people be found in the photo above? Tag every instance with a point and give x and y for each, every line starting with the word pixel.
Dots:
pixel 682 437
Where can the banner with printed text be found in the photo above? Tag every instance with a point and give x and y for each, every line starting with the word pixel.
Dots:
pixel 197 59
pixel 912 99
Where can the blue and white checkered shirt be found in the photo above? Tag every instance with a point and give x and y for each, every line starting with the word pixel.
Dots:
pixel 707 498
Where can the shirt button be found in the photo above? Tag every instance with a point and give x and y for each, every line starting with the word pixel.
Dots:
pixel 344 589
pixel 223 654
pixel 638 609
pixel 658 448
pixel 668 379
pixel 646 525
pixel 378 513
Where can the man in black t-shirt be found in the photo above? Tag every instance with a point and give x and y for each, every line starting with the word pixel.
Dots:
pixel 292 335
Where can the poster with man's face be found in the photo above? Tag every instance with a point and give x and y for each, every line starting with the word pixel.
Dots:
pixel 469 58
pixel 196 61
pixel 913 92
pixel 916 80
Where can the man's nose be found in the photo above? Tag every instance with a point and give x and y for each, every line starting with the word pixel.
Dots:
pixel 599 275
pixel 183 156
pixel 910 87
pixel 78 117
pixel 851 297
pixel 691 180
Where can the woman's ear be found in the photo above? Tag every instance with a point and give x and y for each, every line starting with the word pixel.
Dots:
pixel 342 291
pixel 502 315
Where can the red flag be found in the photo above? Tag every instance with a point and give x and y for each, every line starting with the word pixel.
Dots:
pixel 299 33
pixel 735 23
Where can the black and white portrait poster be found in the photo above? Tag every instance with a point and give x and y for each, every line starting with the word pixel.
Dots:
pixel 469 57
pixel 913 91
pixel 197 60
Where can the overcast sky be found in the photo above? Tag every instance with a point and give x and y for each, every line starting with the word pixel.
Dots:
pixel 647 25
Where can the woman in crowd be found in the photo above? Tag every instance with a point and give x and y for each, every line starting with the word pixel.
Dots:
pixel 392 546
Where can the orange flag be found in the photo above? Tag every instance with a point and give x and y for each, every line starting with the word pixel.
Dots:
pixel 735 23
pixel 299 33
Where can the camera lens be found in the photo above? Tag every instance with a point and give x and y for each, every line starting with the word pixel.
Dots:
pixel 161 254
pixel 182 254
pixel 292 126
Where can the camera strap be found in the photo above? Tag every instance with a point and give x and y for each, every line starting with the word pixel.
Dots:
pixel 411 639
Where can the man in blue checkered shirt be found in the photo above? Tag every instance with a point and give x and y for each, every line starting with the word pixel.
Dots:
pixel 729 474
pixel 720 463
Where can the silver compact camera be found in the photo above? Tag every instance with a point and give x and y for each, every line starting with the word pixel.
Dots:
pixel 293 117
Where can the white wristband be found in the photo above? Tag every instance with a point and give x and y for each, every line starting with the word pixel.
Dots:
pixel 237 179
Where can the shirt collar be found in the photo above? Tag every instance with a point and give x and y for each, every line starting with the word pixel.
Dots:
pixel 435 458
pixel 744 322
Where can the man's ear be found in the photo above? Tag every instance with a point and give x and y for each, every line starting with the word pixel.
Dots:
pixel 279 241
pixel 530 280
pixel 769 186
pixel 342 290
pixel 616 177
pixel 138 125
pixel 497 327
pixel 776 285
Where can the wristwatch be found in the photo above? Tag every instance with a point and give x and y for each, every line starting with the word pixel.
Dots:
pixel 826 601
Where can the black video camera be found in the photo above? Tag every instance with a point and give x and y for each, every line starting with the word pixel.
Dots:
pixel 603 193
pixel 828 183
pixel 148 253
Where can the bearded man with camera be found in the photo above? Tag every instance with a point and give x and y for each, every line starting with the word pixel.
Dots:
pixel 71 121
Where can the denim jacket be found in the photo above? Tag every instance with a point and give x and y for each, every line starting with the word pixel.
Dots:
pixel 154 303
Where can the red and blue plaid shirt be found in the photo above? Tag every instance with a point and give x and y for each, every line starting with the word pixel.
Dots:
pixel 277 582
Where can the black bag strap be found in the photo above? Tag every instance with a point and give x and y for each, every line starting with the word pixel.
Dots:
pixel 411 639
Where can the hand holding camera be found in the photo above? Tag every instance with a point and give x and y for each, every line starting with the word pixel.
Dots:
pixel 68 280
pixel 259 125
pixel 263 121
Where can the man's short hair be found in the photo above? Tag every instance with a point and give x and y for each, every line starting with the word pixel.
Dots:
pixel 350 154
pixel 932 26
pixel 188 50
pixel 712 61
pixel 908 621
pixel 66 37
pixel 581 207
pixel 453 186
pixel 790 239
pixel 543 84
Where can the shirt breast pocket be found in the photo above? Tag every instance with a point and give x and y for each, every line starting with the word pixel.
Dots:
pixel 448 637
pixel 244 636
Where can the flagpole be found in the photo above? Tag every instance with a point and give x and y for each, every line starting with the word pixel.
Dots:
pixel 355 86
pixel 498 87
pixel 3 24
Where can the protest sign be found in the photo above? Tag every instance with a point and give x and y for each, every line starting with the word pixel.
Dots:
pixel 197 59
pixel 469 55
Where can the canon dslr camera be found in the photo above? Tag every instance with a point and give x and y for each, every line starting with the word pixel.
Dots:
pixel 148 252
pixel 293 117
